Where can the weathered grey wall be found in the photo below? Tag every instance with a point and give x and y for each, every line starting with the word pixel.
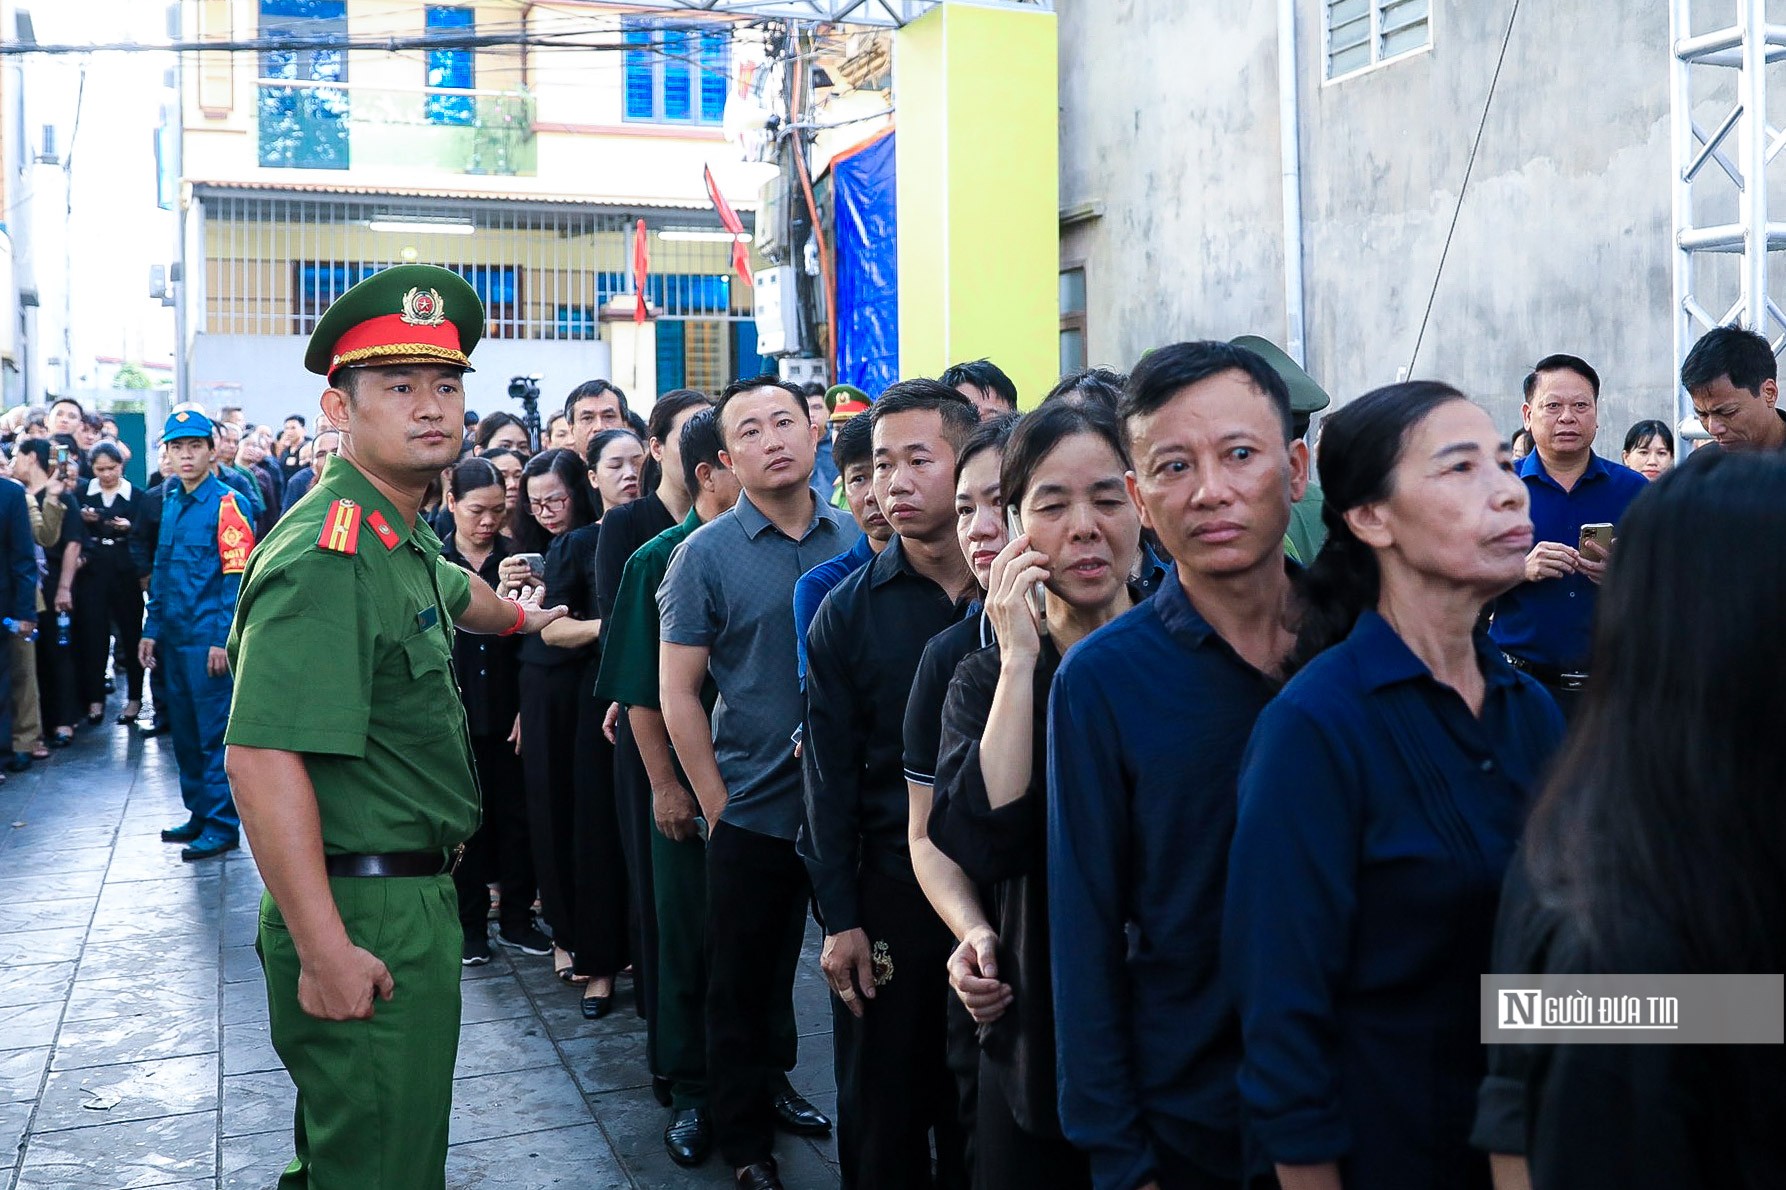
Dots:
pixel 1169 119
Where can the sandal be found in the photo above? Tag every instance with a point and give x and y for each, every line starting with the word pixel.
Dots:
pixel 40 753
pixel 61 739
pixel 566 971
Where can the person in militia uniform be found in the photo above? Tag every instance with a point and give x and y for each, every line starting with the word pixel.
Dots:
pixel 348 750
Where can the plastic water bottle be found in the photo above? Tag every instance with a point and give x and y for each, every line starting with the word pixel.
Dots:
pixel 62 628
pixel 11 625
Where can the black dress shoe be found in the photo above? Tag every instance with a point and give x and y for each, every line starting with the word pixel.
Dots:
pixel 799 1117
pixel 18 762
pixel 209 845
pixel 192 829
pixel 761 1176
pixel 689 1138
pixel 596 1007
pixel 660 1090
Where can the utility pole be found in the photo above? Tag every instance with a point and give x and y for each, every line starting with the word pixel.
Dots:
pixel 153 405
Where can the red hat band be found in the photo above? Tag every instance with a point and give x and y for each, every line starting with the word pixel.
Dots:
pixel 392 336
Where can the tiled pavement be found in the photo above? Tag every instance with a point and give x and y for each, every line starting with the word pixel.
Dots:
pixel 133 1035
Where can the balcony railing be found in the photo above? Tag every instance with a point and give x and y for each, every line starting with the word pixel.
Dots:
pixel 312 124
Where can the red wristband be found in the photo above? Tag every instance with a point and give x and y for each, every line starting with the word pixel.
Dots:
pixel 520 618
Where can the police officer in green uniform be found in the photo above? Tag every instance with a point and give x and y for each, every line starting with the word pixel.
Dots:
pixel 1304 538
pixel 348 750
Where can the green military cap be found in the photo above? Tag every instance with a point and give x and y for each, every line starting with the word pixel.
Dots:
pixel 407 314
pixel 839 393
pixel 1306 396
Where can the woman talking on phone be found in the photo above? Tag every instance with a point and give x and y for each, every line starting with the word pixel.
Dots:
pixel 1066 572
pixel 1381 796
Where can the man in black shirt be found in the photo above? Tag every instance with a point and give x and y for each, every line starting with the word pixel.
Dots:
pixel 885 948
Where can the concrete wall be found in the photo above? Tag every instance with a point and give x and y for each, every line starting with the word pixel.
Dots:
pixel 265 375
pixel 1169 126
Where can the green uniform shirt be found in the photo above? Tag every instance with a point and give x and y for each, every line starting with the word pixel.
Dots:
pixel 628 673
pixel 1306 534
pixel 347 659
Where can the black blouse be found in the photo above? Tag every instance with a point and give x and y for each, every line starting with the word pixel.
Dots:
pixel 570 580
pixel 106 546
pixel 487 666
pixel 1004 852
pixel 624 530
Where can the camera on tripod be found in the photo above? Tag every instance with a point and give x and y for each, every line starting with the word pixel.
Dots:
pixel 526 389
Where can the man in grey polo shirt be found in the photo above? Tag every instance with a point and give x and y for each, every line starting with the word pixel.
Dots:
pixel 726 607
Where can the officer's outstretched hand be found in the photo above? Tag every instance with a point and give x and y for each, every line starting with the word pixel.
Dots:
pixel 538 617
pixel 216 662
pixel 145 653
pixel 341 984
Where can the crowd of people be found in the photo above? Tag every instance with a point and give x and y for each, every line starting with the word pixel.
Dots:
pixel 1153 773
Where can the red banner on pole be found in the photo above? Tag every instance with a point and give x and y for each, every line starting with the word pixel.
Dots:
pixel 641 269
pixel 729 218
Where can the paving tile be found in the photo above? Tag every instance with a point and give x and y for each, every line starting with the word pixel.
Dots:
pixel 35 983
pixel 248 1048
pixel 607 1063
pixel 260 1102
pixel 577 1157
pixel 171 1151
pixel 21 1073
pixel 52 885
pixel 13 1119
pixel 128 995
pixel 492 1000
pixel 253 1161
pixel 148 958
pixel 244 1003
pixel 142 1037
pixel 31 1025
pixel 54 832
pixel 142 1091
pixel 492 1047
pixel 515 1102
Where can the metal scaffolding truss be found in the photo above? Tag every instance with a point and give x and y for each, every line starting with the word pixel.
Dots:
pixel 1707 177
pixel 871 14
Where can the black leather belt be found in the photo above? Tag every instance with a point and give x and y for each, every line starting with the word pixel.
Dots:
pixel 1548 675
pixel 396 863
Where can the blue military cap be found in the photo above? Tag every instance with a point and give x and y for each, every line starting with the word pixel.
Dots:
pixel 187 423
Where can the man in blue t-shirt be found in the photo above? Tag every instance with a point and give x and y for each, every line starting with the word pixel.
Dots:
pixel 1544 626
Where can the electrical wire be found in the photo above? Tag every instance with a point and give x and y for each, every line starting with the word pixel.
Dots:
pixel 818 228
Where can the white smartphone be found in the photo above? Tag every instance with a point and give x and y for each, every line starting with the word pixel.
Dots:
pixel 1014 529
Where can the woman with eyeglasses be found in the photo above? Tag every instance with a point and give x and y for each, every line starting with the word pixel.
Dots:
pixel 556 500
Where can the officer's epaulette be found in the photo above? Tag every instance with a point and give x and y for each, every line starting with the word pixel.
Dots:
pixel 341 528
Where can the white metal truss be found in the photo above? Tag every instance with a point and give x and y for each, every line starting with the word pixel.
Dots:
pixel 872 14
pixel 1733 197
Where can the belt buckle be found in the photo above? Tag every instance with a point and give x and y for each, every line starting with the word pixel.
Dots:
pixel 457 854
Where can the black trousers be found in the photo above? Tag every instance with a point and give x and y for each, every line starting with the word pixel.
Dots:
pixel 598 865
pixel 1007 1157
pixel 108 602
pixel 894 1086
pixel 499 852
pixel 632 808
pixel 56 690
pixel 757 891
pixel 549 707
pixel 964 1064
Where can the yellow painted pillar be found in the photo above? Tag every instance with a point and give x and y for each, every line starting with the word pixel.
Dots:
pixel 976 84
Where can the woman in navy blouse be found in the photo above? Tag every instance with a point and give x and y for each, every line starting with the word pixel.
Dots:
pixel 1380 801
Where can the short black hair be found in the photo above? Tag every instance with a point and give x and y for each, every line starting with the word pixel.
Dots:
pixel 68 401
pixel 595 388
pixel 1102 385
pixel 105 450
pixel 753 383
pixel 38 447
pixel 92 421
pixel 1562 363
pixel 992 434
pixel 297 417
pixel 494 424
pixel 1733 351
pixel 1037 435
pixel 1166 371
pixel 984 375
pixel 959 416
pixel 700 444
pixel 853 442
pixel 1641 432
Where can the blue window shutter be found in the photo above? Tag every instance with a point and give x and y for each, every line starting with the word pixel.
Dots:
pixel 451 68
pixel 641 87
pixel 716 60
pixel 678 97
pixel 672 368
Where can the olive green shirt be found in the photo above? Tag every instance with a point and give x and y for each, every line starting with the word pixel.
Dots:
pixel 1306 534
pixel 346 658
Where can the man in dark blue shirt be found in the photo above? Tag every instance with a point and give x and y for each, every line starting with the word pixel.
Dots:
pixel 1544 626
pixel 1148 719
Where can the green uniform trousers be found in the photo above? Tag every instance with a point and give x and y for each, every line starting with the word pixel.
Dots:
pixel 374 1096
pixel 679 887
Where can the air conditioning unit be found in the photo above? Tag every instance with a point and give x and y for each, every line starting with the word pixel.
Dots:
pixel 777 312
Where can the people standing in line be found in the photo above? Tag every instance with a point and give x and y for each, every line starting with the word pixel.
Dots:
pixel 1659 845
pixel 143 536
pixel 678 840
pixel 200 554
pixel 885 947
pixel 597 933
pixel 108 589
pixel 853 452
pixel 558 501
pixel 726 607
pixel 558 433
pixel 1381 798
pixel 230 471
pixel 1147 721
pixel 501 431
pixel 287 450
pixel 28 743
pixel 1649 449
pixel 326 443
pixel 356 799
pixel 1544 625
pixel 985 384
pixel 824 468
pixel 625 529
pixel 499 852
pixel 1731 377
pixel 48 478
pixel 591 407
pixel 18 600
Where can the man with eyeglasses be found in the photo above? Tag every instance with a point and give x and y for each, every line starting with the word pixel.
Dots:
pixel 1544 626
pixel 1731 375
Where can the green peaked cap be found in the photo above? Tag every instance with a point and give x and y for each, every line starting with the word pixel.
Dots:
pixel 406 314
pixel 1305 395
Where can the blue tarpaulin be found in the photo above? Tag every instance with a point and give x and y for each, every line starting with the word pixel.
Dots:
pixel 863 188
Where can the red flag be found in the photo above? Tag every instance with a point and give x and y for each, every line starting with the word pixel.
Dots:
pixel 733 224
pixel 641 269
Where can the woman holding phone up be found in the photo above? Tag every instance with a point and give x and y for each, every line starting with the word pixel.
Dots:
pixel 1077 545
pixel 108 594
